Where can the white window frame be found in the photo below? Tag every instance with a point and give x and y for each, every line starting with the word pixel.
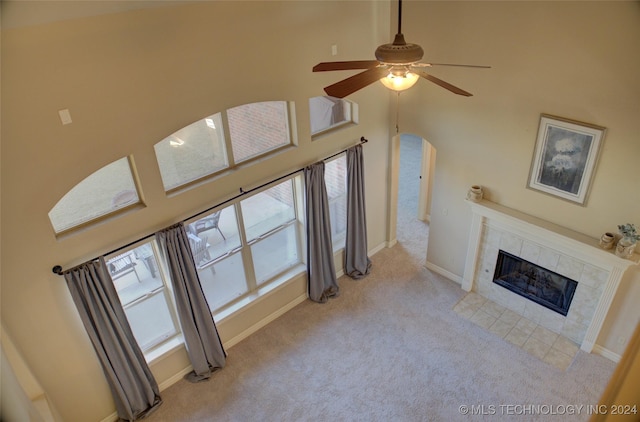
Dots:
pixel 291 136
pixel 160 346
pixel 352 118
pixel 232 161
pixel 257 289
pixel 339 241
pixel 91 218
pixel 218 118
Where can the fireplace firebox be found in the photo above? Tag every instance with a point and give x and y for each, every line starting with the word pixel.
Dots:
pixel 535 283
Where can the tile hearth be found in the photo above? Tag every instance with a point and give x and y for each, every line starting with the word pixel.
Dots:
pixel 598 272
pixel 536 340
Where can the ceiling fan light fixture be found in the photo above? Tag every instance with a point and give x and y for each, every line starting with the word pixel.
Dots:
pixel 175 141
pixel 394 60
pixel 399 82
pixel 399 52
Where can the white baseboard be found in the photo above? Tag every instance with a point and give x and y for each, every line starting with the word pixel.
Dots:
pixel 612 356
pixel 175 378
pixel 378 248
pixel 597 349
pixel 425 218
pixel 111 418
pixel 41 403
pixel 227 345
pixel 263 322
pixel 163 386
pixel 445 273
pixel 258 325
pixel 244 334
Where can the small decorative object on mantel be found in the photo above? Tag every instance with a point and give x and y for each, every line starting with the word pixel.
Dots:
pixel 607 241
pixel 630 237
pixel 475 193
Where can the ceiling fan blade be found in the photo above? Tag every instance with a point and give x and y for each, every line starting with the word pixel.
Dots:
pixel 350 85
pixel 443 84
pixel 356 64
pixel 449 64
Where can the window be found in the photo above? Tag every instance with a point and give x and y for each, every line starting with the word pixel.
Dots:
pixel 193 152
pixel 202 148
pixel 258 128
pixel 327 113
pixel 110 189
pixel 145 295
pixel 271 230
pixel 255 241
pixel 335 179
pixel 221 268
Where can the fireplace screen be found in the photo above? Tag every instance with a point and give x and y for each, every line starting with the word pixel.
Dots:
pixel 538 284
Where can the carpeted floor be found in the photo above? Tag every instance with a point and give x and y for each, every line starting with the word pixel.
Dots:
pixel 389 348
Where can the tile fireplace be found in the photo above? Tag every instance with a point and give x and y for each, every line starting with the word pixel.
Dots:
pixel 563 262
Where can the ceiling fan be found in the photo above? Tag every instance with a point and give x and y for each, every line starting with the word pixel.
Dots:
pixel 397 66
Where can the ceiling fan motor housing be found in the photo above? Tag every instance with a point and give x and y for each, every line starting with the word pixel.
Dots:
pixel 400 52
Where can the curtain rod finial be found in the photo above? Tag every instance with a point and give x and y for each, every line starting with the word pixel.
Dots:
pixel 363 140
pixel 57 270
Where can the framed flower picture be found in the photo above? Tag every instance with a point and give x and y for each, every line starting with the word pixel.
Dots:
pixel 565 158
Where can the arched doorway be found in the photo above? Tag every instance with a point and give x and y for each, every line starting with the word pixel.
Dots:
pixel 412 168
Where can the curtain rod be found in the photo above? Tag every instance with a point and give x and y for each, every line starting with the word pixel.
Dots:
pixel 59 271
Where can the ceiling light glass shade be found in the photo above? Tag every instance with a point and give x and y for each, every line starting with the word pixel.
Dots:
pixel 175 141
pixel 399 82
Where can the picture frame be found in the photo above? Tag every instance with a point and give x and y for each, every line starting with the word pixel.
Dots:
pixel 565 157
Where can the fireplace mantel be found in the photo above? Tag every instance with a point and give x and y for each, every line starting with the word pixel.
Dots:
pixel 522 232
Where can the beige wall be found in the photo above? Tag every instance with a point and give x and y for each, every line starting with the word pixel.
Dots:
pixel 577 60
pixel 623 390
pixel 129 80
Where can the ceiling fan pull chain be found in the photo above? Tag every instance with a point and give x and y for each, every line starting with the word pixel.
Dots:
pixel 398 112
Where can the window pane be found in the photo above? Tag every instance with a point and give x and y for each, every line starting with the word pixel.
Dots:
pixel 192 152
pixel 335 176
pixel 143 294
pixel 269 220
pixel 268 209
pixel 103 192
pixel 327 112
pixel 275 253
pixel 220 269
pixel 150 320
pixel 223 281
pixel 219 230
pixel 134 273
pixel 257 128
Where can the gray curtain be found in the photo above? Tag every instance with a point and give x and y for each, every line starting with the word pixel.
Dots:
pixel 357 262
pixel 202 341
pixel 321 272
pixel 133 387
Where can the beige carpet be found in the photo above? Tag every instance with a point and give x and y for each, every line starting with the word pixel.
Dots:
pixel 390 348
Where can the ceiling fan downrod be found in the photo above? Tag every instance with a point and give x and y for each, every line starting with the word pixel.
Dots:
pixel 399 52
pixel 400 18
